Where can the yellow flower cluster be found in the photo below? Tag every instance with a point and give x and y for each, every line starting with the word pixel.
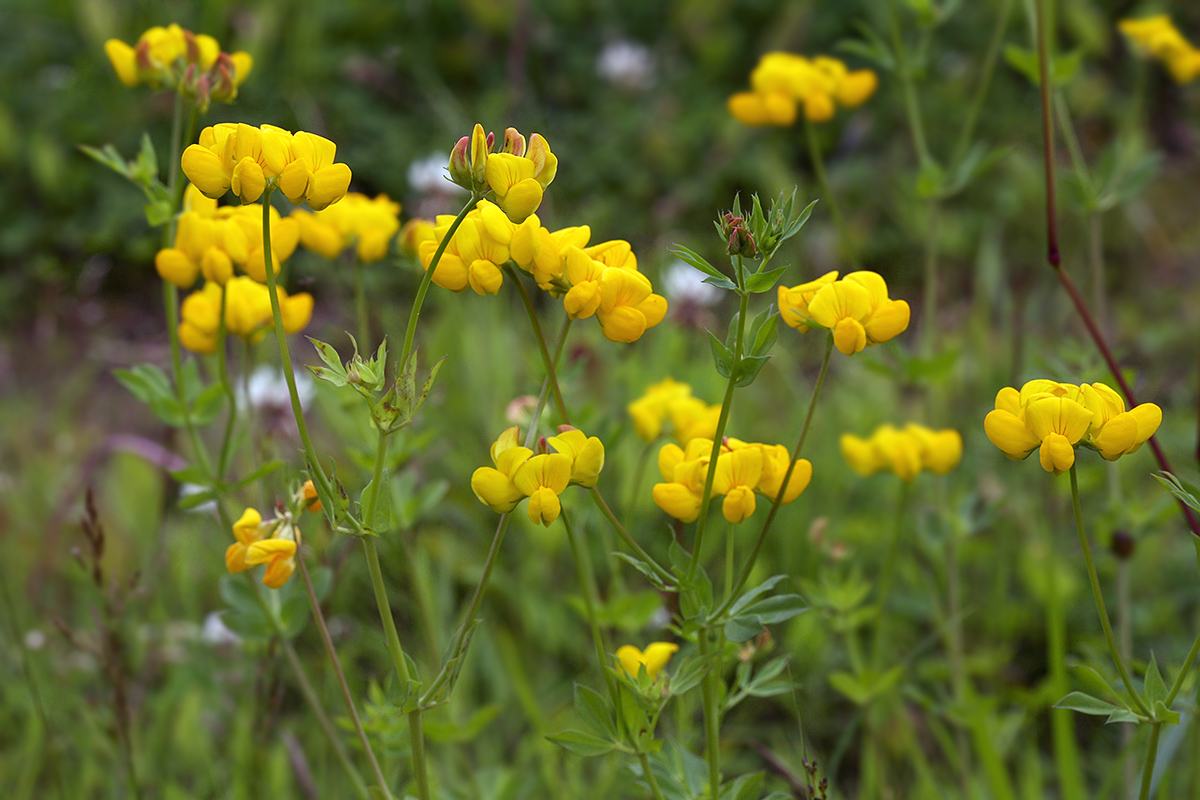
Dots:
pixel 573 457
pixel 211 240
pixel 783 82
pixel 369 223
pixel 654 658
pixel 1054 418
pixel 272 542
pixel 1158 38
pixel 601 280
pixel 856 309
pixel 247 312
pixel 743 468
pixel 905 451
pixel 244 158
pixel 516 175
pixel 177 58
pixel 672 401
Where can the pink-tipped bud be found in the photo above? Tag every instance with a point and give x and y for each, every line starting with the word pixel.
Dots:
pixel 542 445
pixel 143 56
pixel 460 165
pixel 224 89
pixel 514 142
pixel 193 47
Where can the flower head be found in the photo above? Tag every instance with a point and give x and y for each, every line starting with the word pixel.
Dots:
pixel 783 84
pixel 519 473
pixel 271 542
pixel 905 451
pixel 1054 418
pixel 654 658
pixel 1157 37
pixel 174 57
pixel 856 309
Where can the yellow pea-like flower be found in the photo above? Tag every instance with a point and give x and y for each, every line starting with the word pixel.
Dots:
pixel 542 479
pixel 653 659
pixel 280 557
pixel 586 454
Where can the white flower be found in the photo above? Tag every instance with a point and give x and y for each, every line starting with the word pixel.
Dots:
pixel 428 176
pixel 626 64
pixel 685 284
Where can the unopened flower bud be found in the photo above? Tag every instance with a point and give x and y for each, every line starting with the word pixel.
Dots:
pixel 1122 544
pixel 514 142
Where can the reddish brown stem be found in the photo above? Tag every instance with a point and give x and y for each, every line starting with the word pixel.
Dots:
pixel 1053 256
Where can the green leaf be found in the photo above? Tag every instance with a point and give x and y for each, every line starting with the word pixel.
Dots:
pixel 207 405
pixel 748 368
pixel 1086 704
pixel 751 620
pixel 1186 492
pixel 262 472
pixel 327 375
pixel 1156 689
pixel 750 595
pixel 1062 67
pixel 595 711
pixel 583 744
pixel 931 178
pixel 873 48
pixel 765 333
pixel 329 355
pixel 197 499
pixel 654 576
pixel 746 787
pixel 699 262
pixel 722 355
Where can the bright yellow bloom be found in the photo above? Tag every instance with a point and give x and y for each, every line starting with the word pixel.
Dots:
pixel 247 313
pixel 542 479
pixel 906 452
pixel 474 256
pixel 494 485
pixel 272 543
pixel 783 83
pixel 357 219
pixel 857 310
pixel 793 302
pixel 1055 417
pixel 653 659
pixel 743 469
pixel 1158 38
pixel 309 498
pixel 585 452
pixel 413 234
pixel 175 58
pixel 248 159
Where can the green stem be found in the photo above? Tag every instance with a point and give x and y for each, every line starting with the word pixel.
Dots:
pixel 655 791
pixel 718 435
pixel 777 502
pixel 551 373
pixel 230 394
pixel 360 305
pixel 1151 757
pixel 1066 754
pixel 1098 596
pixel 587 582
pixel 985 81
pixel 712 716
pixel 887 576
pixel 1187 666
pixel 347 697
pixel 912 109
pixel 818 165
pixel 423 288
pixel 659 570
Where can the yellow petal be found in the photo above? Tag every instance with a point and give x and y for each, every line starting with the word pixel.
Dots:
pixel 1010 434
pixel 205 170
pixel 124 61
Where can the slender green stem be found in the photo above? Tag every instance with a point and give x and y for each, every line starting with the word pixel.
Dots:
pixel 360 305
pixel 1066 754
pixel 787 477
pixel 171 302
pixel 651 781
pixel 712 716
pixel 230 394
pixel 912 108
pixel 1098 596
pixel 985 81
pixel 587 583
pixel 818 165
pixel 347 697
pixel 660 570
pixel 887 576
pixel 718 435
pixel 269 606
pixel 551 372
pixel 416 743
pixel 423 288
pixel 1183 671
pixel 1151 757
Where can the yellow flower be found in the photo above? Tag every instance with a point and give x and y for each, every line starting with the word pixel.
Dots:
pixel 175 58
pixel 904 451
pixel 586 454
pixel 1055 417
pixel 272 543
pixel 1158 38
pixel 309 498
pixel 494 485
pixel 247 312
pixel 370 223
pixel 415 232
pixel 793 302
pixel 654 658
pixel 248 159
pixel 542 479
pixel 650 410
pixel 782 83
pixel 857 310
pixel 736 478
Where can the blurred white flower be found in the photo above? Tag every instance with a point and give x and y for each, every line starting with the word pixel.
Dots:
pixel 216 633
pixel 626 64
pixel 684 283
pixel 428 176
pixel 266 390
